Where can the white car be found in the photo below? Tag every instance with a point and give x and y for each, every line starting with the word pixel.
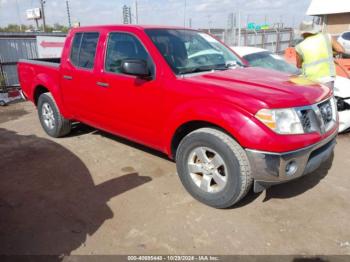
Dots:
pixel 344 40
pixel 259 57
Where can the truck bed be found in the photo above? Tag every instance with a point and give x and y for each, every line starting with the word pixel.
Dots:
pixel 43 61
pixel 31 70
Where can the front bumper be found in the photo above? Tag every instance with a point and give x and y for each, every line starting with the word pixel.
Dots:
pixel 275 168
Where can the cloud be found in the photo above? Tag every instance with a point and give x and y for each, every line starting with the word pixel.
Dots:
pixel 163 12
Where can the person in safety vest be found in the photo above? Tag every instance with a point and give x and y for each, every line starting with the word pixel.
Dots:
pixel 315 54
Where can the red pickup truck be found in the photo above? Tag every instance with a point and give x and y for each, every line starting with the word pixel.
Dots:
pixel 184 93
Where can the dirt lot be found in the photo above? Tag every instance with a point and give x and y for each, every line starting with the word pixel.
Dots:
pixel 92 193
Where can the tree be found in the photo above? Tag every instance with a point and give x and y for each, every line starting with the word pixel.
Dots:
pixel 14 28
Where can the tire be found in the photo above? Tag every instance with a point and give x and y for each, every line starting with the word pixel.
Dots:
pixel 54 124
pixel 219 178
pixel 3 103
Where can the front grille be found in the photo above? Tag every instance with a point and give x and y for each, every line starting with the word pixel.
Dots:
pixel 326 112
pixel 305 120
pixel 318 117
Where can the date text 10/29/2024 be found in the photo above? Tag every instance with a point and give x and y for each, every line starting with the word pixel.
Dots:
pixel 173 258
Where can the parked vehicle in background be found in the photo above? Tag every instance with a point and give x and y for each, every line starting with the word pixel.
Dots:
pixel 259 57
pixel 184 93
pixel 9 96
pixel 344 40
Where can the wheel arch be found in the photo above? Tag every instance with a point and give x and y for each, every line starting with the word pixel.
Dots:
pixel 187 128
pixel 38 91
pixel 44 84
pixel 217 114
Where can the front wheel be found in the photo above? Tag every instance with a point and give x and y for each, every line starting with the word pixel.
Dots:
pixel 213 167
pixel 51 120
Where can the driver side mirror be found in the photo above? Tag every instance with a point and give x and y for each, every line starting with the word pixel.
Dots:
pixel 136 67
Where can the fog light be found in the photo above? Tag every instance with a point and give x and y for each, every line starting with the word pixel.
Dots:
pixel 291 168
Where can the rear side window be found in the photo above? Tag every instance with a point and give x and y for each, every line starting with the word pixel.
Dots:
pixel 84 49
pixel 74 56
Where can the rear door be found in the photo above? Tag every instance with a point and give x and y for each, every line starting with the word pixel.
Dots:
pixel 79 76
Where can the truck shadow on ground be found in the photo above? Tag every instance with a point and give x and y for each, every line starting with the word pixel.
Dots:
pixel 49 203
pixel 80 129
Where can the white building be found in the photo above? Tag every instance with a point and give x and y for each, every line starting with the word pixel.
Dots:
pixel 334 14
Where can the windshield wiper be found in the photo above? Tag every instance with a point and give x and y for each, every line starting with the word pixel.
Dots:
pixel 199 69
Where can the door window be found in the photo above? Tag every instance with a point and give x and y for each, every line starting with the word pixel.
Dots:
pixel 84 49
pixel 122 46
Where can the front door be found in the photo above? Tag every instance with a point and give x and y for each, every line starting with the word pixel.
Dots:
pixel 132 105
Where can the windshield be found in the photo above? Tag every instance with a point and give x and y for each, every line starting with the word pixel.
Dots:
pixel 271 61
pixel 189 51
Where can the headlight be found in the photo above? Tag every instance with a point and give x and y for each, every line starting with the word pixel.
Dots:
pixel 282 121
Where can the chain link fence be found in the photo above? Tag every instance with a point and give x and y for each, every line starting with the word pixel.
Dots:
pixel 275 40
pixel 15 46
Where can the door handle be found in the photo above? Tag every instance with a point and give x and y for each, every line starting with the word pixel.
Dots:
pixel 102 84
pixel 67 77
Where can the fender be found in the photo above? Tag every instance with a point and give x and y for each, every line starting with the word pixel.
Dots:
pixel 51 83
pixel 240 124
pixel 225 115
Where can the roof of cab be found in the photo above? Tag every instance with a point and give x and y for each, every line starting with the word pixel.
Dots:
pixel 119 26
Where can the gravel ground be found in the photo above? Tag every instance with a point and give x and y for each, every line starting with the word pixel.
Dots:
pixel 93 193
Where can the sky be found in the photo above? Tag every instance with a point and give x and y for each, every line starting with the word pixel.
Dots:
pixel 203 13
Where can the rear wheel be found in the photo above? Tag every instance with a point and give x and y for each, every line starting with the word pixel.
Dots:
pixel 213 167
pixel 51 120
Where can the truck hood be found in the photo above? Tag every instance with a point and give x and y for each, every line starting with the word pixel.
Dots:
pixel 263 88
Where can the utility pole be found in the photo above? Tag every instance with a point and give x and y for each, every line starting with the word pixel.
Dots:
pixel 127 15
pixel 42 3
pixel 209 24
pixel 19 16
pixel 130 16
pixel 185 6
pixel 239 28
pixel 136 12
pixel 68 14
pixel 230 30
